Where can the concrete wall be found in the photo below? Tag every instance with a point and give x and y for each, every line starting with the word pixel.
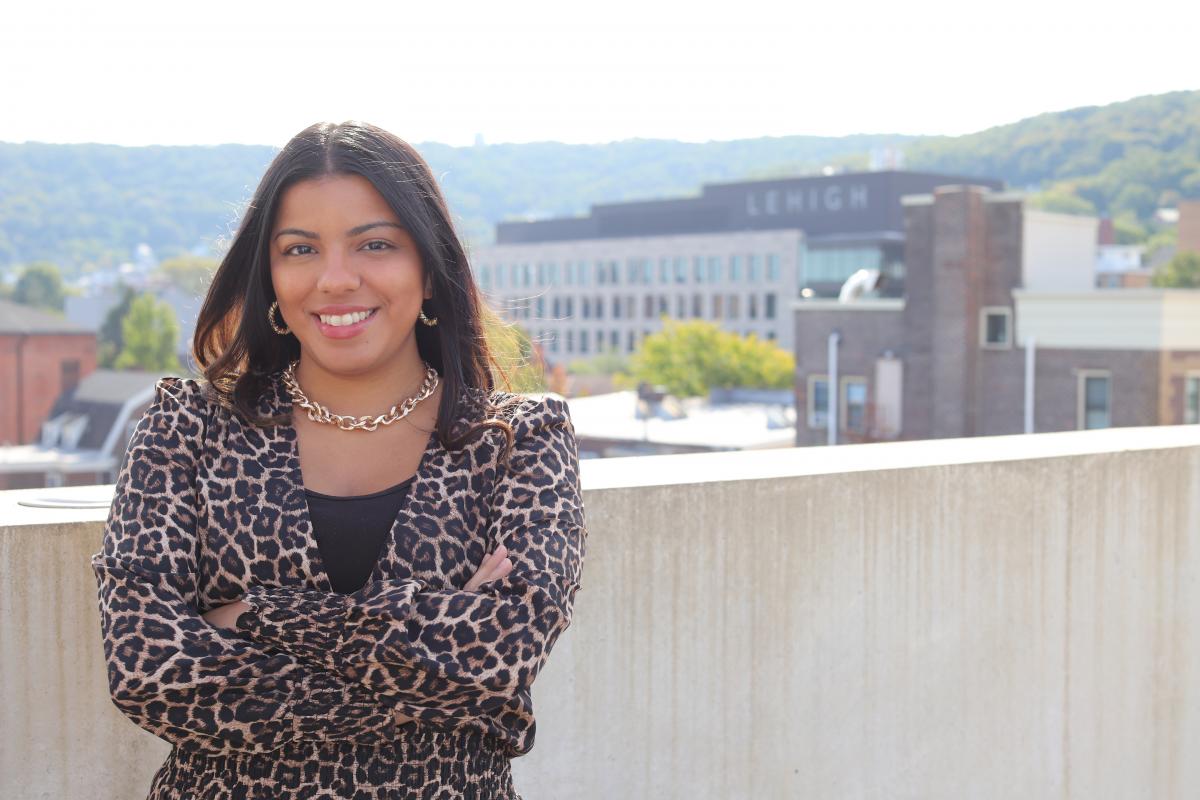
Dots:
pixel 986 618
pixel 1059 252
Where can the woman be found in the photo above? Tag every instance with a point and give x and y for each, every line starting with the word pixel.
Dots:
pixel 334 567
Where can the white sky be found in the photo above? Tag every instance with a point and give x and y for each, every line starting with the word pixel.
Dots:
pixel 257 72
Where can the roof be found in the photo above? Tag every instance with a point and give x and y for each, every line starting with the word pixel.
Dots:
pixel 20 319
pixel 717 426
pixel 100 397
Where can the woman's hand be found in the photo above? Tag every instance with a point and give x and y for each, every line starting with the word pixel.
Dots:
pixel 226 616
pixel 494 566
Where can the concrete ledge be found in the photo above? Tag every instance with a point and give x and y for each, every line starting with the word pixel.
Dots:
pixel 1014 616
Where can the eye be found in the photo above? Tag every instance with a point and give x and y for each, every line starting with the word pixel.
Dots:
pixel 386 246
pixel 288 251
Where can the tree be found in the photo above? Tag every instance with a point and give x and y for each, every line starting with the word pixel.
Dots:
pixel 1062 201
pixel 192 274
pixel 150 332
pixel 111 340
pixel 40 286
pixel 519 365
pixel 690 358
pixel 1181 272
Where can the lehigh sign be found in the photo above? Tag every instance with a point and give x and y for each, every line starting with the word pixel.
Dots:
pixel 816 199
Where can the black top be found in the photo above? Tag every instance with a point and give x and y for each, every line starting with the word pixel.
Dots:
pixel 351 531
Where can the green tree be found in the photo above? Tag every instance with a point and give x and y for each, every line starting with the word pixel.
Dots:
pixel 1062 201
pixel 1181 272
pixel 691 357
pixel 192 274
pixel 517 367
pixel 149 331
pixel 111 340
pixel 40 286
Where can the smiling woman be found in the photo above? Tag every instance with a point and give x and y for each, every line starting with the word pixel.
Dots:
pixel 352 601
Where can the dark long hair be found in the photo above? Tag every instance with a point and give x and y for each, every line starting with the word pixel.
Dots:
pixel 234 345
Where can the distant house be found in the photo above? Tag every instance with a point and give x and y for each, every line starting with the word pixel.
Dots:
pixel 42 355
pixel 84 438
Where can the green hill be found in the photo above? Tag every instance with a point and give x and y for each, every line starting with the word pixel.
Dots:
pixel 90 205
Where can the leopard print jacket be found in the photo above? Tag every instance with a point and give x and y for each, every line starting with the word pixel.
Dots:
pixel 304 693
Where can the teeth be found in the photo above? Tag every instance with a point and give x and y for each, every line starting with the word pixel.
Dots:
pixel 344 319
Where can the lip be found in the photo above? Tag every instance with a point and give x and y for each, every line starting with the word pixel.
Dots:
pixel 343 331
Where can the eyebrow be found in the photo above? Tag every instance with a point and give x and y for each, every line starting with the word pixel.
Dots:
pixel 355 231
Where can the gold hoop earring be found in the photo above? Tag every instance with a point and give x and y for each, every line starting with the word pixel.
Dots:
pixel 280 329
pixel 427 320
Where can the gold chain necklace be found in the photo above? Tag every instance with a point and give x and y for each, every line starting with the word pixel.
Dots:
pixel 319 413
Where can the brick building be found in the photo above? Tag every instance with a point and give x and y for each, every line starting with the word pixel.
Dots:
pixel 1001 330
pixel 42 355
pixel 1189 226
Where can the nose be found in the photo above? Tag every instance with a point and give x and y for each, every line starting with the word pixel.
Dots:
pixel 338 274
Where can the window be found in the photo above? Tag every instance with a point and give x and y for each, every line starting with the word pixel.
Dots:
pixel 734 306
pixel 662 304
pixel 541 307
pixel 853 404
pixel 601 274
pixel 648 307
pixel 772 266
pixel 553 270
pixel 570 341
pixel 647 271
pixel 664 264
pixel 614 339
pixel 818 401
pixel 697 306
pixel 616 307
pixel 499 276
pixel 680 270
pixel 752 306
pixel 752 268
pixel 1095 401
pixel 735 268
pixel 714 269
pixel 769 305
pixel 587 307
pixel 716 306
pixel 583 341
pixel 1191 399
pixel 680 307
pixel 598 307
pixel 68 374
pixel 570 307
pixel 557 306
pixel 995 328
pixel 632 271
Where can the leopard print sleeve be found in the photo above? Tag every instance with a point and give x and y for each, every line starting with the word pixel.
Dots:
pixel 173 674
pixel 451 656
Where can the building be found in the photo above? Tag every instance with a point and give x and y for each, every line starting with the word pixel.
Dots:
pixel 645 422
pixel 1001 330
pixel 737 255
pixel 1120 266
pixel 1189 226
pixel 42 355
pixel 84 437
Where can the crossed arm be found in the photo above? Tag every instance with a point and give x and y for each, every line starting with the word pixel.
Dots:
pixel 314 665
